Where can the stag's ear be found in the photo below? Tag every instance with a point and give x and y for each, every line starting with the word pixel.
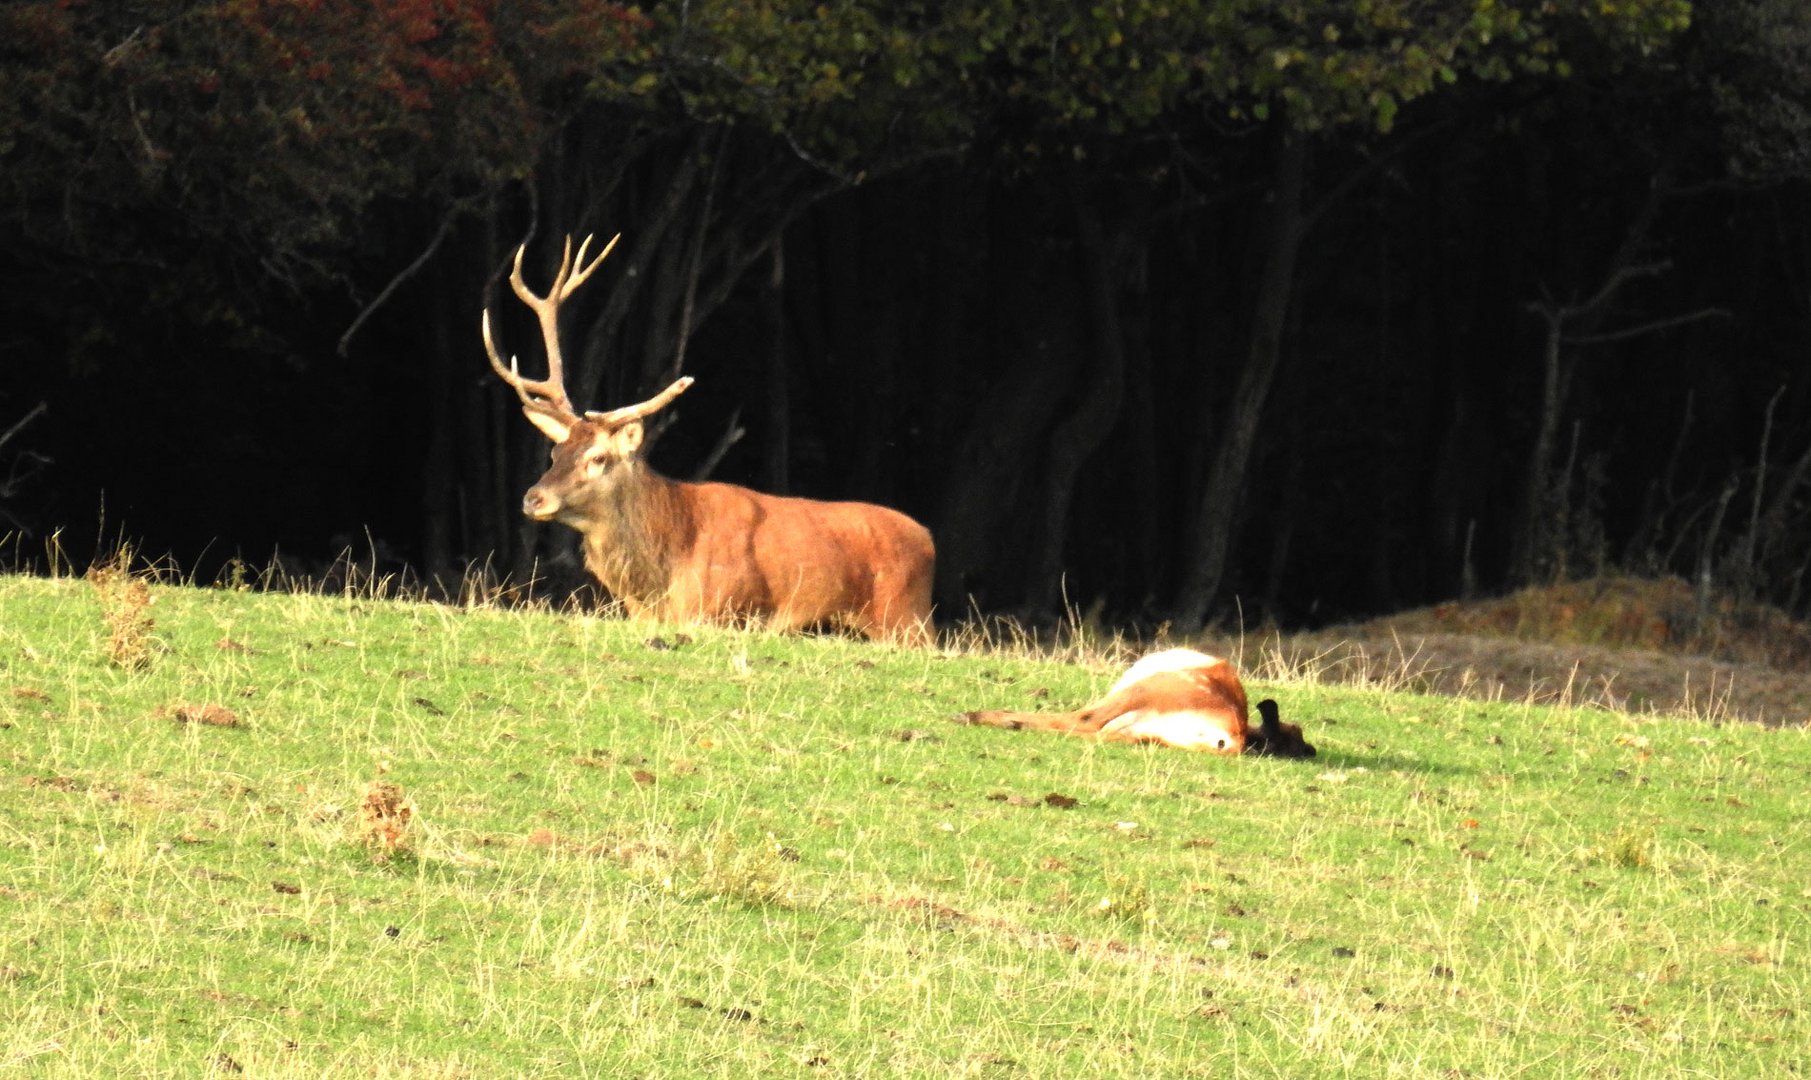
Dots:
pixel 625 440
pixel 551 426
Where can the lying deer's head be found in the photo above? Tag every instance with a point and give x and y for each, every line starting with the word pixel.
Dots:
pixel 592 451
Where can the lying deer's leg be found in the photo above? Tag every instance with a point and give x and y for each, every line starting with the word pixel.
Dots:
pixel 1071 723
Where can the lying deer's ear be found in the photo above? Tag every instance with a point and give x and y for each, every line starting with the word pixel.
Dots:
pixel 626 440
pixel 550 426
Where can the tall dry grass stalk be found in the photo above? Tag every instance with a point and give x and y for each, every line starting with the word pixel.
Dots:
pixel 126 609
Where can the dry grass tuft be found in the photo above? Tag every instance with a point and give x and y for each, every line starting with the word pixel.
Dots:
pixel 384 818
pixel 126 609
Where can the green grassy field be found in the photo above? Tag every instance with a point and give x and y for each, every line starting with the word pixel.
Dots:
pixel 640 851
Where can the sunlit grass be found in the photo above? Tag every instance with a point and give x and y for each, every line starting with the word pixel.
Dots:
pixel 644 850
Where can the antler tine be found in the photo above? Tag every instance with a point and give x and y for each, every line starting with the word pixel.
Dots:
pixel 645 409
pixel 547 395
pixel 543 395
pixel 547 311
pixel 585 268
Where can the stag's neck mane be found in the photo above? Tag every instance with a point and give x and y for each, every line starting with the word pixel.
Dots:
pixel 637 531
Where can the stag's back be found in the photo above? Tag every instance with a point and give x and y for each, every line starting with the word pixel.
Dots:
pixel 799 562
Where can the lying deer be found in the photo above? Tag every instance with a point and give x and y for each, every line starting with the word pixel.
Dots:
pixel 1178 697
pixel 680 551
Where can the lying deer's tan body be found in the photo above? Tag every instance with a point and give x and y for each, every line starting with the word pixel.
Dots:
pixel 682 551
pixel 1178 697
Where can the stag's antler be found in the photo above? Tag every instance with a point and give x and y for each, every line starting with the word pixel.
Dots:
pixel 546 395
pixel 647 408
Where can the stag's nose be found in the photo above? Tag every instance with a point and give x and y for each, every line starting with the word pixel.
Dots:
pixel 539 505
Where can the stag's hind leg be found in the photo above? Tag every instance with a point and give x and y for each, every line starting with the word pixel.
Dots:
pixel 901 609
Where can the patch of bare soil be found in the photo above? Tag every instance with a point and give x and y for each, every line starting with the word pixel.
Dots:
pixel 1634 644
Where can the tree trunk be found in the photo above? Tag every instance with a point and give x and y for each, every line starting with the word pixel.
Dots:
pixel 1079 435
pixel 1211 536
pixel 1533 539
pixel 777 446
pixel 438 480
pixel 1139 548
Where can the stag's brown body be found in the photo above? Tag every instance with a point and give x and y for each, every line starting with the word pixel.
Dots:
pixel 682 551
pixel 685 551
pixel 1178 697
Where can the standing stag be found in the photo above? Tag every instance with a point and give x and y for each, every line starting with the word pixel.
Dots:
pixel 680 551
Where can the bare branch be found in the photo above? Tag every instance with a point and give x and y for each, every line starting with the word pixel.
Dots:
pixel 1620 277
pixel 731 436
pixel 36 411
pixel 1648 328
pixel 407 272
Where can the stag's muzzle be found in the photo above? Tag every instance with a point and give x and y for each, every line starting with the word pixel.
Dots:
pixel 540 505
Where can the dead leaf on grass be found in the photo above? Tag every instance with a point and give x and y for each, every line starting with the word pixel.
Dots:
pixel 31 693
pixel 642 777
pixel 210 715
pixel 227 644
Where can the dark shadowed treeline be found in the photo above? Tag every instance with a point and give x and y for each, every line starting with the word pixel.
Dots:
pixel 1315 310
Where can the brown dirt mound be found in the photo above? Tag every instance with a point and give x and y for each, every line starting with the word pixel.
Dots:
pixel 1641 645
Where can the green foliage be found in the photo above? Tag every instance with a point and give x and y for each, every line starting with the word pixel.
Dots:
pixel 280 122
pixel 748 855
pixel 1751 59
pixel 277 124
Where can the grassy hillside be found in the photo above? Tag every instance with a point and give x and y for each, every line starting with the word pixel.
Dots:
pixel 631 850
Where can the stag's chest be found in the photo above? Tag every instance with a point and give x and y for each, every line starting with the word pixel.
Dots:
pixel 633 566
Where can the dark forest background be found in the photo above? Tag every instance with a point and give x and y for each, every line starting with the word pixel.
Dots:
pixel 1290 311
